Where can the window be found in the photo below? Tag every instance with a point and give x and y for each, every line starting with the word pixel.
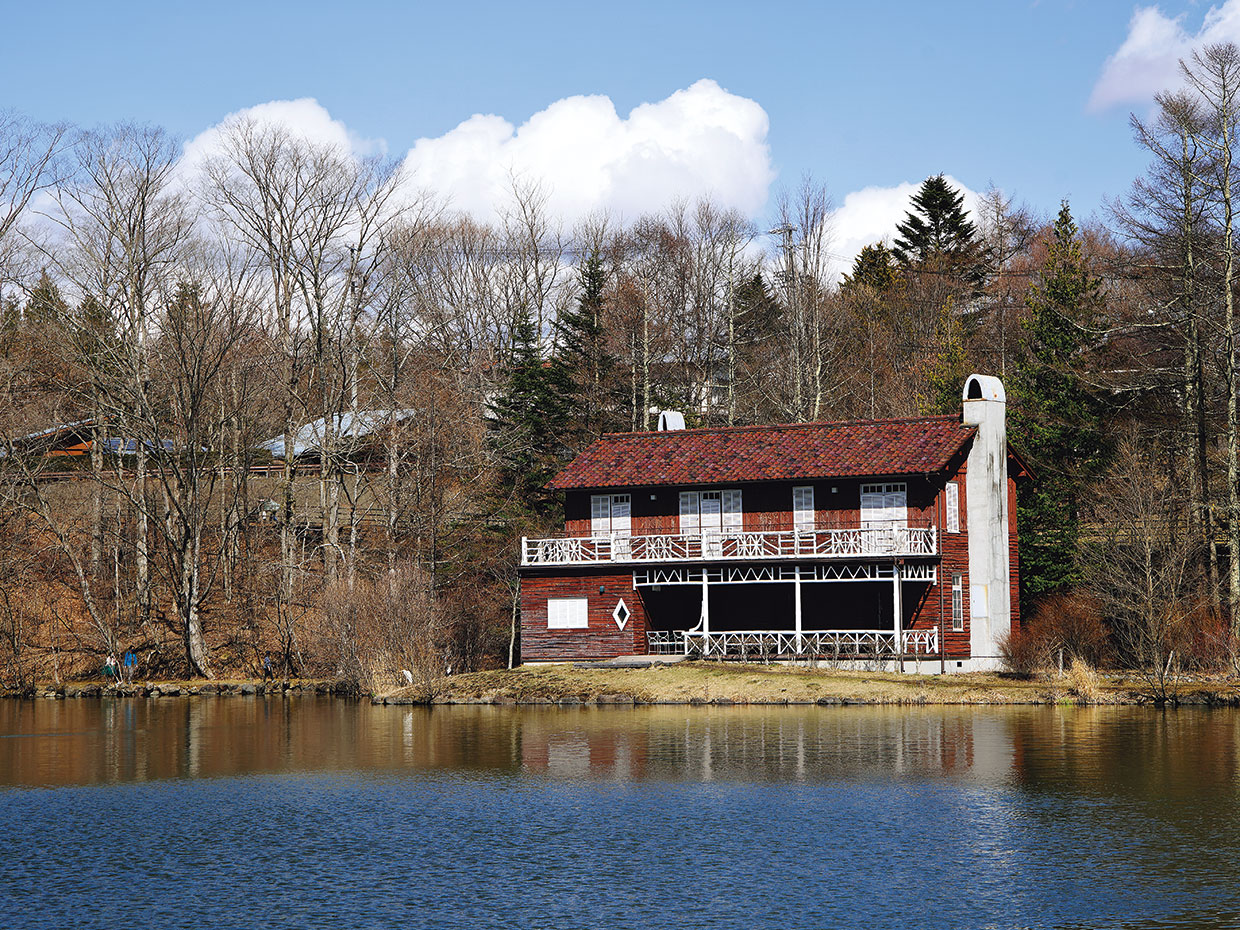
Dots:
pixel 803 517
pixel 567 613
pixel 711 512
pixel 611 514
pixel 621 614
pixel 884 505
pixel 957 601
pixel 952 501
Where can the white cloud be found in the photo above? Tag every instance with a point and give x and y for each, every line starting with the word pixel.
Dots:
pixel 871 214
pixel 699 141
pixel 304 118
pixel 1147 61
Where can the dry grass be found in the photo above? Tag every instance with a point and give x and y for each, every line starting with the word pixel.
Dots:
pixel 708 682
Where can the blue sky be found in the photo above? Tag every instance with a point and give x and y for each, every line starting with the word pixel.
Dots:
pixel 859 95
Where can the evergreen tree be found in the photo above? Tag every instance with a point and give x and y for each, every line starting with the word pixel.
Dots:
pixel 1055 420
pixel 586 365
pixel 527 424
pixel 948 366
pixel 873 268
pixel 937 227
pixel 45 305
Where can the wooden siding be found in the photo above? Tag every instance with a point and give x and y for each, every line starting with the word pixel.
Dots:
pixel 602 639
pixel 764 506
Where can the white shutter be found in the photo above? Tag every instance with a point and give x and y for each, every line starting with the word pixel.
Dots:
pixel 803 516
pixel 952 503
pixel 600 514
pixel 621 508
pixel 689 512
pixel 733 519
pixel 568 613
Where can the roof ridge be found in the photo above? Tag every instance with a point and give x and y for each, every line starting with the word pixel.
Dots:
pixel 698 430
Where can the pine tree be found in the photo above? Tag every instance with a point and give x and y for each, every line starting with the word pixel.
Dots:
pixel 949 366
pixel 586 365
pixel 527 424
pixel 873 268
pixel 45 305
pixel 937 227
pixel 1055 419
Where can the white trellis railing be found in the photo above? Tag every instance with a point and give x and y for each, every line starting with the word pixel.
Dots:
pixel 841 644
pixel 734 546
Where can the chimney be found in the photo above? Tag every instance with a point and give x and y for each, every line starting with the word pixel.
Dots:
pixel 986 500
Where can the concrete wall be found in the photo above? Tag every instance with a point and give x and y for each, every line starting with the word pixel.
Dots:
pixel 990 540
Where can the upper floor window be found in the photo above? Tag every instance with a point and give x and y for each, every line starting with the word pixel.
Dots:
pixel 711 512
pixel 804 519
pixel 952 503
pixel 611 514
pixel 884 505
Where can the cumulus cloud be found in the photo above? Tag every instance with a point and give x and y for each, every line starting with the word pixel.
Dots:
pixel 699 141
pixel 304 118
pixel 1147 61
pixel 871 214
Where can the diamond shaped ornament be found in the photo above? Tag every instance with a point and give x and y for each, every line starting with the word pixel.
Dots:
pixel 621 614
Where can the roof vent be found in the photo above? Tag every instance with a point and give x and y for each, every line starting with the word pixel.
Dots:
pixel 670 420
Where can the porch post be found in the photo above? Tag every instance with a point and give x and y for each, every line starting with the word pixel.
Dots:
pixel 897 610
pixel 800 638
pixel 705 615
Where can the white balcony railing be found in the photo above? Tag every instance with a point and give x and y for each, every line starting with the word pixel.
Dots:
pixel 733 546
pixel 839 644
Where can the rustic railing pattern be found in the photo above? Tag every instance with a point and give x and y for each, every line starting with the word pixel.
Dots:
pixel 734 546
pixel 829 644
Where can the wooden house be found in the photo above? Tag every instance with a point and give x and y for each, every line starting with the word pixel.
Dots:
pixel 890 541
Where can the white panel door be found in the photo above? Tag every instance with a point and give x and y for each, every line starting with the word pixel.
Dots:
pixel 689 512
pixel 804 519
pixel 621 524
pixel 600 514
pixel 733 518
pixel 712 523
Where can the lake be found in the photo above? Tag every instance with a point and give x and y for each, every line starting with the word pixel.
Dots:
pixel 318 812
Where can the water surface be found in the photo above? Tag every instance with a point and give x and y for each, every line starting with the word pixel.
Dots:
pixel 319 812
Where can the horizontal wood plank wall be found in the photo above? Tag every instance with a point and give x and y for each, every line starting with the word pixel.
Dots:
pixel 602 639
pixel 766 506
pixel 1013 556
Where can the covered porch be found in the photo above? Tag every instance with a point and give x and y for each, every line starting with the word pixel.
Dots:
pixel 858 611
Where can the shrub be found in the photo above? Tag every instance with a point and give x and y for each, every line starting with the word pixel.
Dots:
pixel 1023 651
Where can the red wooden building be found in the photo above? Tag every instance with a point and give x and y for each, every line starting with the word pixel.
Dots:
pixel 880 540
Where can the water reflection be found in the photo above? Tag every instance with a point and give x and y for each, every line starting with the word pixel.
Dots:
pixel 1097 749
pixel 332 813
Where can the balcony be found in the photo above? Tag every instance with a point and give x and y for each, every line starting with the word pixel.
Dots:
pixel 772 644
pixel 856 543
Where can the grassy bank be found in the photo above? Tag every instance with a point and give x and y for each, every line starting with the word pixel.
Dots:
pixel 717 683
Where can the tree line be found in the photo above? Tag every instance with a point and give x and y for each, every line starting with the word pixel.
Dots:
pixel 435 371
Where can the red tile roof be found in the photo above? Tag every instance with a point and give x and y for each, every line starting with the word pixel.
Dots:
pixel 858 448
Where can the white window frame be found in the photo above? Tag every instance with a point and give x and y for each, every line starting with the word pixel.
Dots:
pixel 611 514
pixel 951 502
pixel 804 518
pixel 957 602
pixel 568 613
pixel 893 511
pixel 731 512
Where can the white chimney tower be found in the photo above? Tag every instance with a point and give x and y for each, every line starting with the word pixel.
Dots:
pixel 986 499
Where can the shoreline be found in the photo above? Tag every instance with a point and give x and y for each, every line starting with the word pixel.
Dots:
pixel 693 684
pixel 720 684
